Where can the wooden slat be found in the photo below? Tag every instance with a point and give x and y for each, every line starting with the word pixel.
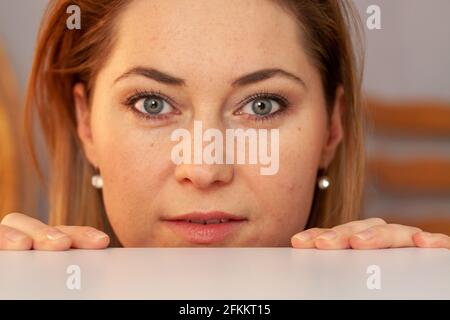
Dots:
pixel 410 176
pixel 411 118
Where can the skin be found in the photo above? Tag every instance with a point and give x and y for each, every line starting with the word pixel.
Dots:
pixel 133 153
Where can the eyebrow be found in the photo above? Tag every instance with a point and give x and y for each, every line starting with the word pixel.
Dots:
pixel 244 80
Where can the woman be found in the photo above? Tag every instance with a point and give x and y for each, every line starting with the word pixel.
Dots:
pixel 111 96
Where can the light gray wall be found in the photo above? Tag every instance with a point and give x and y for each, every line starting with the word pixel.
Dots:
pixel 410 56
pixel 19 22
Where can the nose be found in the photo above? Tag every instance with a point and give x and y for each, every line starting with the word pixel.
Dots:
pixel 204 176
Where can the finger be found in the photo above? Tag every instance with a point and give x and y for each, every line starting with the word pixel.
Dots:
pixel 12 239
pixel 329 239
pixel 338 237
pixel 85 237
pixel 359 225
pixel 385 236
pixel 431 240
pixel 44 237
pixel 332 240
pixel 305 239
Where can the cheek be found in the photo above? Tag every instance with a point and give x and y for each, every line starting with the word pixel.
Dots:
pixel 291 190
pixel 133 167
pixel 135 163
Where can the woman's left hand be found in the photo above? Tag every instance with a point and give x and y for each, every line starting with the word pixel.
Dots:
pixel 373 233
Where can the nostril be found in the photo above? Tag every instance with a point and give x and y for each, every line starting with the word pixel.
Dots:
pixel 203 176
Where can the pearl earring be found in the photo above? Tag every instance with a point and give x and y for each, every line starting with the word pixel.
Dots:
pixel 97 181
pixel 323 183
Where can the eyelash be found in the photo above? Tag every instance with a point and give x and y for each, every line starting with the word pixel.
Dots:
pixel 264 94
pixel 282 100
pixel 139 94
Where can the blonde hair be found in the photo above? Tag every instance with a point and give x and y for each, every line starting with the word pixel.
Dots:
pixel 332 34
pixel 8 154
pixel 66 57
pixel 7 166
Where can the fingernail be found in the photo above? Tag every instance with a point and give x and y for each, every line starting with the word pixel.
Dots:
pixel 328 235
pixel 55 235
pixel 303 236
pixel 366 234
pixel 15 236
pixel 95 234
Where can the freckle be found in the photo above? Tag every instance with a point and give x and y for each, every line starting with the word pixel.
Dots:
pixel 299 129
pixel 151 145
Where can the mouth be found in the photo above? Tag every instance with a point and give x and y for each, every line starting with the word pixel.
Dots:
pixel 205 227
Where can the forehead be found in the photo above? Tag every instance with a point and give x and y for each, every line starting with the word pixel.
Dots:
pixel 207 34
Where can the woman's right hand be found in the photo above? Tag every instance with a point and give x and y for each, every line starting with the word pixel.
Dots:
pixel 21 232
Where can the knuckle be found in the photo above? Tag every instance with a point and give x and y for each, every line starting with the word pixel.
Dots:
pixel 10 217
pixel 51 234
pixel 313 230
pixel 444 236
pixel 348 228
pixel 24 243
pixel 89 229
pixel 12 239
pixel 343 227
pixel 75 228
pixel 380 228
pixel 377 221
pixel 55 244
pixel 401 227
pixel 416 229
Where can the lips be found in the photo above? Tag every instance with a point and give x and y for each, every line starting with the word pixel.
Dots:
pixel 206 216
pixel 210 221
pixel 205 227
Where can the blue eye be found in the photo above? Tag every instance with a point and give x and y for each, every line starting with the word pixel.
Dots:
pixel 261 107
pixel 152 105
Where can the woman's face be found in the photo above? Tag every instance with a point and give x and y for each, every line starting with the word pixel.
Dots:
pixel 200 48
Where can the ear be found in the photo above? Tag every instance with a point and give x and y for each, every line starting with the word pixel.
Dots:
pixel 335 131
pixel 83 114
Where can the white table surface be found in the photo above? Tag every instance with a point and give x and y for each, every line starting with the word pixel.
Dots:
pixel 228 273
